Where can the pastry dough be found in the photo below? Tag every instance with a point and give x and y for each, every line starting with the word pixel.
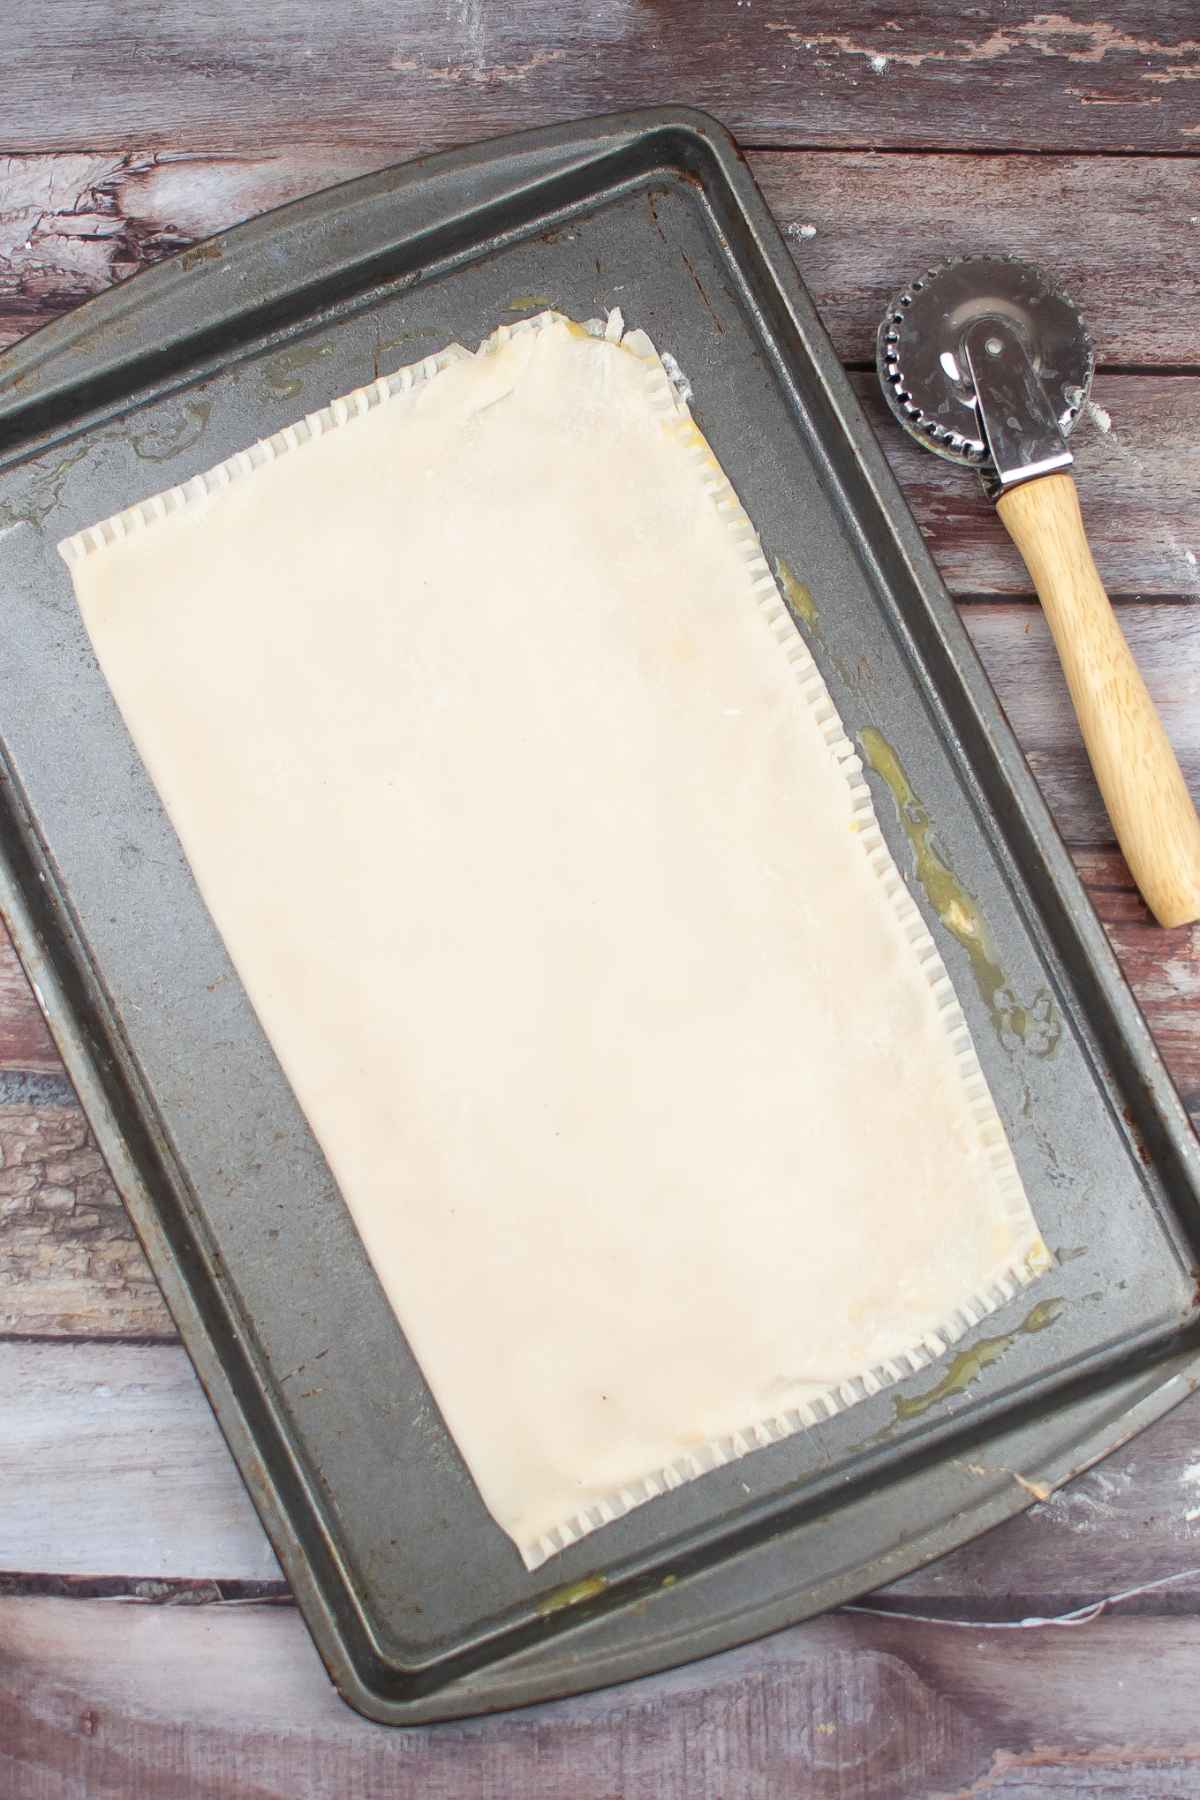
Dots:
pixel 536 841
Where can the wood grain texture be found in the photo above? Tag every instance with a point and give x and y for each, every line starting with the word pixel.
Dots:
pixel 25 1041
pixel 1016 649
pixel 71 225
pixel 1135 766
pixel 126 1702
pixel 1118 231
pixel 1124 230
pixel 153 127
pixel 1163 967
pixel 111 1465
pixel 1137 462
pixel 69 1259
pixel 413 75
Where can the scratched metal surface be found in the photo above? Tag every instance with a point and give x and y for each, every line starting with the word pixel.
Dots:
pixel 418 1601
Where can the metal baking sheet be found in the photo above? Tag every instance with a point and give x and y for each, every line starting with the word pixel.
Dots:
pixel 418 1603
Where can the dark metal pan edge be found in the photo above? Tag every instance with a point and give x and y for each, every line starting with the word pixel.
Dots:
pixel 563 1670
pixel 1128 1406
pixel 1007 799
pixel 408 215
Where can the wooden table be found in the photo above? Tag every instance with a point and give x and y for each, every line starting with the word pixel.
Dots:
pixel 147 1644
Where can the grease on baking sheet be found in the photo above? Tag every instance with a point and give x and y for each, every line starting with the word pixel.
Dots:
pixel 969 1364
pixel 159 443
pixel 797 593
pixel 1036 1026
pixel 573 1594
pixel 212 251
pixel 43 492
pixel 279 373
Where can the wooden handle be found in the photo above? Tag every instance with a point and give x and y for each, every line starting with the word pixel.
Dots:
pixel 1139 777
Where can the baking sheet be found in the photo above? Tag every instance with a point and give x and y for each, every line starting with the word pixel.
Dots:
pixel 415 1599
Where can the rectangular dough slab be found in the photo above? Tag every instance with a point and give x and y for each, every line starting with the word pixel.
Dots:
pixel 639 1072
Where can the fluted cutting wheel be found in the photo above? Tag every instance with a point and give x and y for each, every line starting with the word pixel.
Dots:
pixel 919 351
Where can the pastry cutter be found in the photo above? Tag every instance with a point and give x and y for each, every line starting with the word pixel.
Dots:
pixel 987 361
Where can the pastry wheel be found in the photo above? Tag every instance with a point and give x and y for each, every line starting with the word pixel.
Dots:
pixel 987 361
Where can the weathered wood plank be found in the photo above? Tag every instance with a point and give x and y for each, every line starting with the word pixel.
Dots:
pixel 1120 231
pixel 1137 451
pixel 1163 967
pixel 150 1703
pixel 111 1465
pixel 71 225
pixel 412 75
pixel 1116 230
pixel 25 1042
pixel 1133 1519
pixel 69 1259
pixel 1015 646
